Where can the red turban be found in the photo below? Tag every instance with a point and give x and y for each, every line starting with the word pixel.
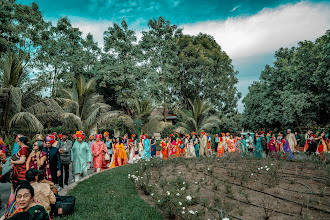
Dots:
pixel 262 132
pixel 60 136
pixel 81 136
pixel 50 139
pixel 98 136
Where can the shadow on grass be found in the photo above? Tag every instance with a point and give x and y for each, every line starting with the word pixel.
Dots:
pixel 110 195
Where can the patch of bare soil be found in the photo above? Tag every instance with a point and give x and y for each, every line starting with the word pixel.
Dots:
pixel 237 188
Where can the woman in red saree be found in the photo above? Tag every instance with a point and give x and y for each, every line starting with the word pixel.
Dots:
pixel 19 165
pixel 231 144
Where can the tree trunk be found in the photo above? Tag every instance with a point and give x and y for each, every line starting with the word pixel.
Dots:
pixel 53 87
pixel 164 112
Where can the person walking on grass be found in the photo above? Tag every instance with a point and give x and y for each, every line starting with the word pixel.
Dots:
pixel 64 147
pixel 81 157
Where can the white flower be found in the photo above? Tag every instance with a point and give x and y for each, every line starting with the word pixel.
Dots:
pixel 183 212
pixel 180 203
pixel 192 212
pixel 188 198
pixel 208 168
pixel 196 183
pixel 225 219
pixel 183 208
pixel 158 201
pixel 183 188
pixel 203 178
pixel 271 164
pixel 258 168
pixel 265 166
pixel 251 174
pixel 152 194
pixel 184 183
pixel 261 167
pixel 178 194
pixel 267 169
pixel 168 193
pixel 180 172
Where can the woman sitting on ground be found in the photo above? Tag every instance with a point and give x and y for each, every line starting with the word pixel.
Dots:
pixel 43 193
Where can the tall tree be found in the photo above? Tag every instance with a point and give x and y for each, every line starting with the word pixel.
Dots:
pixel 205 71
pixel 66 55
pixel 160 55
pixel 22 30
pixel 119 71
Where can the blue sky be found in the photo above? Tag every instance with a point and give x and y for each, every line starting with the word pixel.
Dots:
pixel 250 31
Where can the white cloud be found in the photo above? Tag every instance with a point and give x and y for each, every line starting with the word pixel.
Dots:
pixel 234 9
pixel 268 30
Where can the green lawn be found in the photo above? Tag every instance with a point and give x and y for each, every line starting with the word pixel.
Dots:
pixel 111 195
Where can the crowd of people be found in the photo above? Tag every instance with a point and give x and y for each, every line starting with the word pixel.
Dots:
pixel 40 169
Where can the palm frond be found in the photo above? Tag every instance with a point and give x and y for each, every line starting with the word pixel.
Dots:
pixel 27 120
pixel 72 119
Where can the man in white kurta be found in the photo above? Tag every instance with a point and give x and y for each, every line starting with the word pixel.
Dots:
pixel 292 140
pixel 203 146
pixel 81 157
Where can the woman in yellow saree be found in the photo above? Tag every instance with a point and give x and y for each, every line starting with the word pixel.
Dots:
pixel 119 156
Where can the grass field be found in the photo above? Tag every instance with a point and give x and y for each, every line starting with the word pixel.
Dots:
pixel 208 188
pixel 110 195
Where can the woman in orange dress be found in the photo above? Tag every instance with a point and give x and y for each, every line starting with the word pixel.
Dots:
pixel 164 148
pixel 119 155
pixel 231 144
pixel 221 149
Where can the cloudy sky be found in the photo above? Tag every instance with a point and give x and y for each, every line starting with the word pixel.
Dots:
pixel 250 31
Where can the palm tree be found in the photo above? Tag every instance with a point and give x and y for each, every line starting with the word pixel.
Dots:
pixel 142 111
pixel 12 112
pixel 87 108
pixel 199 118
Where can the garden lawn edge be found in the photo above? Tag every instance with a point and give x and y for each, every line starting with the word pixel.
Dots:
pixel 109 194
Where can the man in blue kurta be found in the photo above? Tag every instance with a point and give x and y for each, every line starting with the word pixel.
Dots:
pixel 81 156
pixel 146 154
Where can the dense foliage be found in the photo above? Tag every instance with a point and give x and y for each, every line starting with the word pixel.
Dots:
pixel 69 81
pixel 295 91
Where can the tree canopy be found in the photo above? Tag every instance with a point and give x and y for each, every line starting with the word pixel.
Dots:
pixel 293 92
